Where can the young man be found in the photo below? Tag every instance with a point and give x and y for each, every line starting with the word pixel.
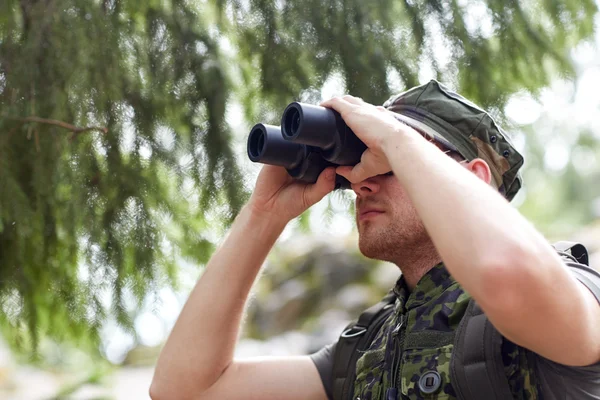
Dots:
pixel 449 228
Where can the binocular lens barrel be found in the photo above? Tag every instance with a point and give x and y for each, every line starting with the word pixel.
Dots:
pixel 311 125
pixel 311 138
pixel 256 144
pixel 324 129
pixel 291 122
pixel 267 146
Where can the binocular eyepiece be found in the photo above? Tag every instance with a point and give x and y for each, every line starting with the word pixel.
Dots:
pixel 310 139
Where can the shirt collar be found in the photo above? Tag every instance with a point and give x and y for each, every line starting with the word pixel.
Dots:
pixel 432 284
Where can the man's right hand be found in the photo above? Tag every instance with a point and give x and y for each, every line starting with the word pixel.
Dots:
pixel 277 195
pixel 197 360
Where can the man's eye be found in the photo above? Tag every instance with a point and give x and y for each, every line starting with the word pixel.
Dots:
pixel 391 173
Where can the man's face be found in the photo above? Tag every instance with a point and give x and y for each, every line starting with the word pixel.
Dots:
pixel 388 224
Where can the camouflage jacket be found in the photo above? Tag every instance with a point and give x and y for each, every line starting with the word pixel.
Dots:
pixel 415 344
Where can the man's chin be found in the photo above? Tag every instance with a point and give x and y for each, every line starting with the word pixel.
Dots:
pixel 371 249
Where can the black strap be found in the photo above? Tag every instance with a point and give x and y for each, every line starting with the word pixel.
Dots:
pixel 572 251
pixel 355 338
pixel 575 249
pixel 476 366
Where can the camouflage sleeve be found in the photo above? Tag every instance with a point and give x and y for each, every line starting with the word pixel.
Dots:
pixel 323 360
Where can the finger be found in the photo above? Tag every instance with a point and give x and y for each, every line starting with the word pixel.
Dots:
pixel 392 113
pixel 339 104
pixel 344 171
pixel 276 172
pixel 324 184
pixel 355 174
pixel 353 100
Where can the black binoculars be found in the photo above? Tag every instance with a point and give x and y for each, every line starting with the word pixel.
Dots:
pixel 310 139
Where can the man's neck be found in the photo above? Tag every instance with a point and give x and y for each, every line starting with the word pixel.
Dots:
pixel 413 268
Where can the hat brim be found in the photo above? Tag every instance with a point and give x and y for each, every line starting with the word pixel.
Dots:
pixel 425 130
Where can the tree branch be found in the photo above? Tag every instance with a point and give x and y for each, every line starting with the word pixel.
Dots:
pixel 76 130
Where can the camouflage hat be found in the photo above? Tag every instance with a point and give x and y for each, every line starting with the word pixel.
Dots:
pixel 460 125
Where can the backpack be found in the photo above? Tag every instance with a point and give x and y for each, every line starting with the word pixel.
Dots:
pixel 476 365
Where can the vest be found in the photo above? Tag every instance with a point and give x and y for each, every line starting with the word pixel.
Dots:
pixel 433 343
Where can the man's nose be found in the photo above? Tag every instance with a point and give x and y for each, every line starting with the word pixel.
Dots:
pixel 367 187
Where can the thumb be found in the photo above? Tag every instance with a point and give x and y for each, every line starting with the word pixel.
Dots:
pixel 354 174
pixel 324 184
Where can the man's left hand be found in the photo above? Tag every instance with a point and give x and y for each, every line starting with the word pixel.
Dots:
pixel 374 125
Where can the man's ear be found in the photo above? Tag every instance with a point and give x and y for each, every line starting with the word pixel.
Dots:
pixel 481 169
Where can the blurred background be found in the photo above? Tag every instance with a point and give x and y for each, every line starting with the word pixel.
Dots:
pixel 123 128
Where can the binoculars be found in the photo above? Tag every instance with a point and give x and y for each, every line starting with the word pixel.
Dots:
pixel 310 139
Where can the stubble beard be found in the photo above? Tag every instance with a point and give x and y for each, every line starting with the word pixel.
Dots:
pixel 396 239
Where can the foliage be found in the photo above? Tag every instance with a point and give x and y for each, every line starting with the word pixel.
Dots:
pixel 487 49
pixel 115 151
pixel 559 201
pixel 87 212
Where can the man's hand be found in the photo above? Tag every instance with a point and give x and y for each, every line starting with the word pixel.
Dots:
pixel 373 125
pixel 277 195
pixel 197 360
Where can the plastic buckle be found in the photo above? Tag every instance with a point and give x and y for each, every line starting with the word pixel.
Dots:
pixel 355 331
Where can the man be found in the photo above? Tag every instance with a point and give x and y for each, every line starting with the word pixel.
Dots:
pixel 447 228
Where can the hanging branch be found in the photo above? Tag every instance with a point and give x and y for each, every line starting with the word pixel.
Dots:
pixel 74 129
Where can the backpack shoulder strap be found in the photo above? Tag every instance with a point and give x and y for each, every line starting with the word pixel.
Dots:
pixel 575 256
pixel 355 338
pixel 476 366
pixel 574 250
